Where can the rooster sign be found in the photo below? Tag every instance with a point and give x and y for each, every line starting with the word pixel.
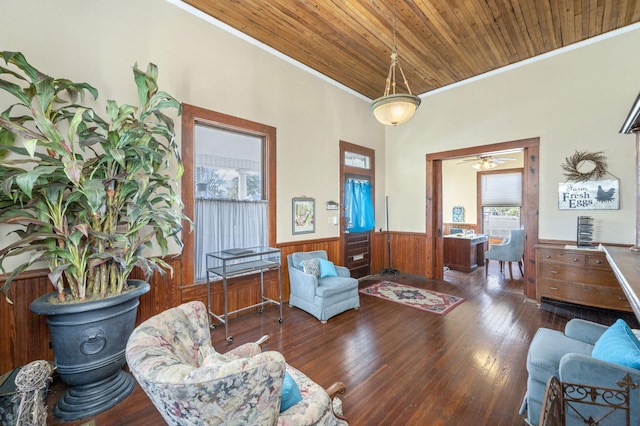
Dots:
pixel 589 195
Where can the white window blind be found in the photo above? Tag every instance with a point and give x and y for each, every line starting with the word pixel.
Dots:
pixel 501 189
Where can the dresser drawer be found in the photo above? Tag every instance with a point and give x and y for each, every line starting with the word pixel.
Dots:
pixel 557 256
pixel 597 262
pixel 584 294
pixel 559 272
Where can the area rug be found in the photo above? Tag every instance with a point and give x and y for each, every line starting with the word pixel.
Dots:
pixel 425 300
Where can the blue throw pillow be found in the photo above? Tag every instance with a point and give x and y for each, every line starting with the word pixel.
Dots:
pixel 290 393
pixel 618 345
pixel 327 268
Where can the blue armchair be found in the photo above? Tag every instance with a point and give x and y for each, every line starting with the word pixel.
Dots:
pixel 322 292
pixel 568 357
pixel 509 250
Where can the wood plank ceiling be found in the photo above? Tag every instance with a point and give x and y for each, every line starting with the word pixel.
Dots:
pixel 440 42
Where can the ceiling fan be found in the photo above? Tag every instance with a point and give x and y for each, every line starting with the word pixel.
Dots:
pixel 486 162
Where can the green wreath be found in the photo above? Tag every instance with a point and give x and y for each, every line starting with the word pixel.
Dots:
pixel 573 164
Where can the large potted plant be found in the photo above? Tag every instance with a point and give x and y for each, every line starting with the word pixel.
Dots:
pixel 86 197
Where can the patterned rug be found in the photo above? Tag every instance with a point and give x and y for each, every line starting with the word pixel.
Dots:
pixel 425 300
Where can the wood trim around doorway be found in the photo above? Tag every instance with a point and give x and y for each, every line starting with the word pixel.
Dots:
pixel 434 264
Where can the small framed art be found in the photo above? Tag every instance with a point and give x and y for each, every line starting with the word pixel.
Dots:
pixel 304 215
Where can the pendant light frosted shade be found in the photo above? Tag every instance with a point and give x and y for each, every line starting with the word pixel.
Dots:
pixel 395 109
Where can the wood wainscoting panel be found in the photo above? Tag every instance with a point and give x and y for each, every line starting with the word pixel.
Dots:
pixel 408 253
pixel 25 335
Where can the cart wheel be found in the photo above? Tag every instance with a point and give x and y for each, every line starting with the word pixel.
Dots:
pixel 230 339
pixel 260 310
pixel 280 320
pixel 212 326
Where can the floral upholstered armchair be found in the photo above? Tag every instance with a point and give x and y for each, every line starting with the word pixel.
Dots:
pixel 172 358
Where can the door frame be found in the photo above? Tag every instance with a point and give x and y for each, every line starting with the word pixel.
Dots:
pixel 345 172
pixel 434 250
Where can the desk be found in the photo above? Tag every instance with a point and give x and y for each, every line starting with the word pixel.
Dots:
pixel 464 252
pixel 229 263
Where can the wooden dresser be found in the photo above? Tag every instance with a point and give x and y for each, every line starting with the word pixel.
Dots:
pixel 578 276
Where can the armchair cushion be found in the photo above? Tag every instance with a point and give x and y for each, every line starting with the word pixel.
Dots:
pixel 290 392
pixel 618 345
pixel 311 267
pixel 327 268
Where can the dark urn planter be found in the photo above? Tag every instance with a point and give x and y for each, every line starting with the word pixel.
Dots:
pixel 89 341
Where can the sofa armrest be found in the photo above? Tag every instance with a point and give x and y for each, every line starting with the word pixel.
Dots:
pixel 584 331
pixel 584 369
pixel 343 271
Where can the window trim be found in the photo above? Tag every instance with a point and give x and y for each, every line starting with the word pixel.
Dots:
pixel 190 116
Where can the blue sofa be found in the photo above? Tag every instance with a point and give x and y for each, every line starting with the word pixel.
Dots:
pixel 568 356
pixel 321 296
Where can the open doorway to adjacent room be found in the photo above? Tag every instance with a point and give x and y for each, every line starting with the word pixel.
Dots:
pixel 480 159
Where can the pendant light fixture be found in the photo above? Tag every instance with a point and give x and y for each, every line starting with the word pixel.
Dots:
pixel 395 108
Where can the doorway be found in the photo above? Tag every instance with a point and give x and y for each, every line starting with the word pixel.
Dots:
pixel 434 205
pixel 357 192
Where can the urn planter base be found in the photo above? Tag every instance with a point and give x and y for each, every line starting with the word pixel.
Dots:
pixel 89 341
pixel 79 402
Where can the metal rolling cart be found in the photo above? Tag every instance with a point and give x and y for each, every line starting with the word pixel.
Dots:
pixel 234 262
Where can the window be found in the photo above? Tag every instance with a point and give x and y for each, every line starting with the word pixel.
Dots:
pixel 501 202
pixel 230 178
pixel 230 209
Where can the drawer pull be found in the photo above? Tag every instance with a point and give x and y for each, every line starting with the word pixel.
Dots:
pixel 575 260
pixel 548 256
pixel 553 288
pixel 598 262
pixel 358 257
pixel 553 271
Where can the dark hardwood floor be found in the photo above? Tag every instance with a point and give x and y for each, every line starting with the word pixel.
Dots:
pixel 402 366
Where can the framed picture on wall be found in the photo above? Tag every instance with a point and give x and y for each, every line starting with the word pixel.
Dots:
pixel 304 215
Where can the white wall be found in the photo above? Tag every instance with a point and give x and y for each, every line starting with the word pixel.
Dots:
pixel 98 41
pixel 577 100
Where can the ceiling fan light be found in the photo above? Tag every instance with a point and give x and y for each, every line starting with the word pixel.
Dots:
pixel 395 109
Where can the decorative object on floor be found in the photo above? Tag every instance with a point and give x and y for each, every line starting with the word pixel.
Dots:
pixel 303 213
pixel 88 342
pixel 571 356
pixel 92 199
pixel 32 383
pixel 172 357
pixel 316 290
pixel 420 298
pixel 395 108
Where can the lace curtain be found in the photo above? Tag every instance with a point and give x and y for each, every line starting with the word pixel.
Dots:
pixel 227 224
